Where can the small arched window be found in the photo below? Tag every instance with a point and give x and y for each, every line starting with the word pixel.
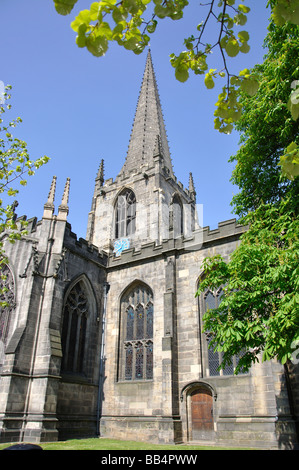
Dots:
pixel 125 214
pixel 177 216
pixel 136 343
pixel 76 312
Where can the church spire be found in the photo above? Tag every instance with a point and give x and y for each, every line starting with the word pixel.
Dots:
pixel 148 124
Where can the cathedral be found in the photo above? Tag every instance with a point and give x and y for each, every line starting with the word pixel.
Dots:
pixel 103 336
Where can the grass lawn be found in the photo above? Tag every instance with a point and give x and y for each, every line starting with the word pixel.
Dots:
pixel 113 444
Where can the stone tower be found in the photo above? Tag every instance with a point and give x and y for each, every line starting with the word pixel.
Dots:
pixel 159 197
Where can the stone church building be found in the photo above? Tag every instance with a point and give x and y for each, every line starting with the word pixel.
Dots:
pixel 103 335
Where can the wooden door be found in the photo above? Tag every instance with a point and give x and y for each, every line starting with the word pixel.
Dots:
pixel 202 415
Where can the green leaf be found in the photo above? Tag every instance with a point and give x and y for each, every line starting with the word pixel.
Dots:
pixel 209 82
pixel 243 36
pixel 98 46
pixel 64 7
pixel 232 47
pixel 182 72
pixel 82 19
pixel 289 162
pixel 240 19
pixel 243 9
pixel 286 10
pixel 250 86
pixel 94 10
pixel 151 27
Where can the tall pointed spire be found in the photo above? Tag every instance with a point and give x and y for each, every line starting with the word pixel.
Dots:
pixel 148 124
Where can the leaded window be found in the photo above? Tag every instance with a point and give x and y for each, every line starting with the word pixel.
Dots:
pixel 125 214
pixel 7 300
pixel 75 318
pixel 211 300
pixel 136 355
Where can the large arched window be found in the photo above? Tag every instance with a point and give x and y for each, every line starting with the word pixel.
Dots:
pixel 75 317
pixel 125 214
pixel 7 299
pixel 212 358
pixel 136 343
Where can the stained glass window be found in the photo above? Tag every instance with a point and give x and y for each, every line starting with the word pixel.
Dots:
pixel 74 329
pixel 140 321
pixel 149 320
pixel 149 360
pixel 137 346
pixel 130 323
pixel 139 360
pixel 128 361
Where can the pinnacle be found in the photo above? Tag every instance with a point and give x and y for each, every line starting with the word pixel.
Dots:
pixel 63 209
pixel 49 206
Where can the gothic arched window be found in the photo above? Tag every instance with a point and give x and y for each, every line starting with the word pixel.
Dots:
pixel 76 312
pixel 177 216
pixel 136 345
pixel 210 300
pixel 125 214
pixel 7 299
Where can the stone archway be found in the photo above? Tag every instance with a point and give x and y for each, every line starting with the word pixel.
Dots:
pixel 198 411
pixel 201 411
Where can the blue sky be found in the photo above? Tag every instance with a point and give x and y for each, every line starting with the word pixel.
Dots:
pixel 78 109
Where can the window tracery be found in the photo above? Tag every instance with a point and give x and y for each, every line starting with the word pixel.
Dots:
pixel 75 317
pixel 137 311
pixel 211 300
pixel 125 214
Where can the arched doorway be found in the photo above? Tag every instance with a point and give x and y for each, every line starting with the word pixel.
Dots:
pixel 202 421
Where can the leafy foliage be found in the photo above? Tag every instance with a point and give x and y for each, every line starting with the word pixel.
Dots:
pixel 130 23
pixel 15 165
pixel 268 127
pixel 259 315
pixel 259 310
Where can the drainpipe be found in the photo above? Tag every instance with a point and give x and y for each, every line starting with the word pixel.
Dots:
pixel 102 359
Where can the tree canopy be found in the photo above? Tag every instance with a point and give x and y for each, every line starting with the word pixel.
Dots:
pixel 15 167
pixel 267 126
pixel 130 23
pixel 258 315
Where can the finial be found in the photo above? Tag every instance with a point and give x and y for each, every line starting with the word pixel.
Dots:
pixel 191 186
pixel 100 175
pixel 49 206
pixel 63 209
